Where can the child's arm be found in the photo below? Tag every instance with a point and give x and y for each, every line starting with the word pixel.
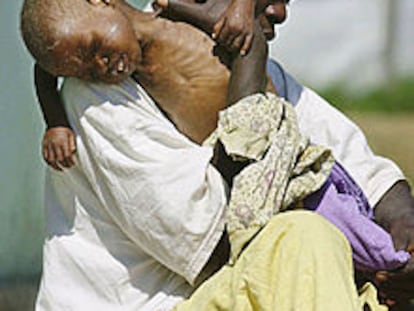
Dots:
pixel 58 145
pixel 234 29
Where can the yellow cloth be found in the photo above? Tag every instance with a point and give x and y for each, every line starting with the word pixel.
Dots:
pixel 299 261
pixel 285 169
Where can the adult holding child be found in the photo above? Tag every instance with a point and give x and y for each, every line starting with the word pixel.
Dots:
pixel 114 120
pixel 380 179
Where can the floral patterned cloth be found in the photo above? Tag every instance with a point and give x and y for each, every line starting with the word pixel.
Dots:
pixel 286 167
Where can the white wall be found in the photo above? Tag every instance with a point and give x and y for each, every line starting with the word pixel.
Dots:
pixel 324 41
pixel 21 167
pixel 330 41
pixel 21 170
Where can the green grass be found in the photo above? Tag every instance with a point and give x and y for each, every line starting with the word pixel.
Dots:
pixel 390 135
pixel 386 115
pixel 393 98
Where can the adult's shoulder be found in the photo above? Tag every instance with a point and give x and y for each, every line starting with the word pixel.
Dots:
pixel 286 85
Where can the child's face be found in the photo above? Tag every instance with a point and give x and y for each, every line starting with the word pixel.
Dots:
pixel 104 48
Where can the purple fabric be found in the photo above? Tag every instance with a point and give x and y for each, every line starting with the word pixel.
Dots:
pixel 342 202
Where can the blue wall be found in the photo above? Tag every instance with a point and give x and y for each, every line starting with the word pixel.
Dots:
pixel 21 169
pixel 21 166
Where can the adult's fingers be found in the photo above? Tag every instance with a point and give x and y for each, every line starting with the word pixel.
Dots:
pixel 224 35
pixel 400 285
pixel 218 27
pixel 248 40
pixel 237 43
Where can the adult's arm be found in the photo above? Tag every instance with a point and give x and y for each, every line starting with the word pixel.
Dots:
pixel 247 72
pixel 327 126
pixel 246 78
pixel 395 212
pixel 380 179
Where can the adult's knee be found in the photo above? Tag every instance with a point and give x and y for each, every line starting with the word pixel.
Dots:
pixel 311 230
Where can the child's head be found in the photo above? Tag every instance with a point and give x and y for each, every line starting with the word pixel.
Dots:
pixel 74 38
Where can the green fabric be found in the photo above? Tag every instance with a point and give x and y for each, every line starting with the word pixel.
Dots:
pixel 286 166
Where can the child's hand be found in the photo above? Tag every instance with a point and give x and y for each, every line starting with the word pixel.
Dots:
pixel 234 29
pixel 58 147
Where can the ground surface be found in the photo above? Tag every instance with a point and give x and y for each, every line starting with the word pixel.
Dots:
pixel 391 135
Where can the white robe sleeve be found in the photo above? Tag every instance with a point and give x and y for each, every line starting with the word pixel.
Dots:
pixel 327 126
pixel 158 186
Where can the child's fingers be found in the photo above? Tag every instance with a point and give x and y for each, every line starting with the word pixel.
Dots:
pixel 67 153
pixel 58 153
pixel 71 149
pixel 45 152
pixel 69 160
pixel 72 143
pixel 52 158
pixel 51 154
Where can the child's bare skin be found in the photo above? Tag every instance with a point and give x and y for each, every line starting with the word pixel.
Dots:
pixel 187 82
pixel 177 70
pixel 396 285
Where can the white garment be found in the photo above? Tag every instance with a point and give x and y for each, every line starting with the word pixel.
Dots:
pixel 101 254
pixel 134 222
pixel 327 126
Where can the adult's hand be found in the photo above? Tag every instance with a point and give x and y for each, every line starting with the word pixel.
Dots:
pixel 58 147
pixel 395 212
pixel 234 29
pixel 203 15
